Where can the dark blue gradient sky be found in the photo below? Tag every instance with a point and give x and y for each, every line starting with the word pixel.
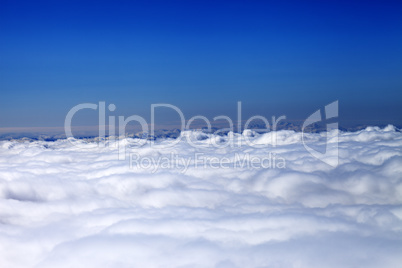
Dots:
pixel 277 57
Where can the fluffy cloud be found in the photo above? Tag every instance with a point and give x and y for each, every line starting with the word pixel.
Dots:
pixel 63 205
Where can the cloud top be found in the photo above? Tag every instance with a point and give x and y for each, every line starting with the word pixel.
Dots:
pixel 79 206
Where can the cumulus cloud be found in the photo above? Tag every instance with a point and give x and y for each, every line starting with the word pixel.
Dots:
pixel 203 202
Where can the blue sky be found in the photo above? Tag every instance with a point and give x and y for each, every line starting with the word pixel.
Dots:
pixel 277 57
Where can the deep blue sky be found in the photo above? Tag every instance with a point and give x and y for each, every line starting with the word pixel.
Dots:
pixel 277 57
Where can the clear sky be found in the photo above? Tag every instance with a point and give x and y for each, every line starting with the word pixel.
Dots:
pixel 277 57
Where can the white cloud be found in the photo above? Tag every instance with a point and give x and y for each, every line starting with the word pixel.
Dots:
pixel 66 206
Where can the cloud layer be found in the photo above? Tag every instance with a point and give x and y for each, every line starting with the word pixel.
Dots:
pixel 69 203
